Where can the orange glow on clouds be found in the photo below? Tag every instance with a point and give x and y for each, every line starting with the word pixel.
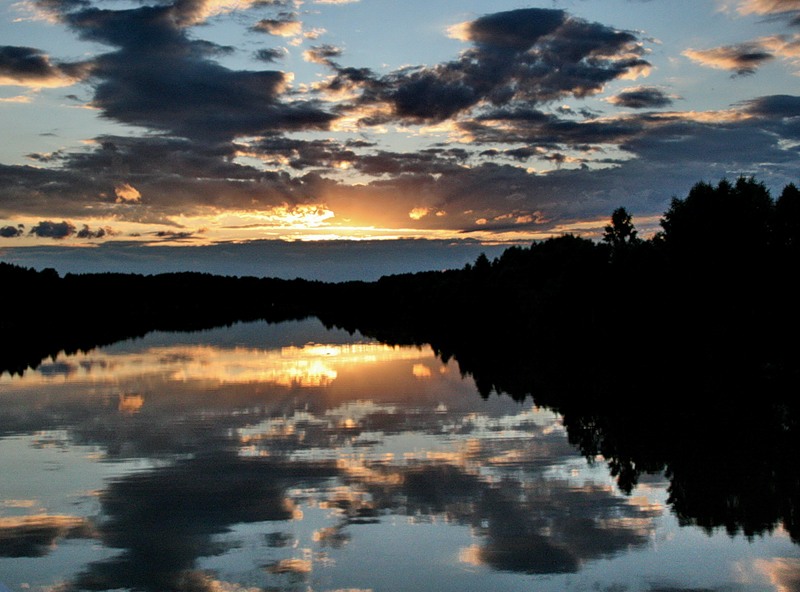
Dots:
pixel 130 404
pixel 127 193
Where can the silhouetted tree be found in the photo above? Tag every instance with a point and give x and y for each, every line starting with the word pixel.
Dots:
pixel 728 223
pixel 621 230
pixel 482 265
pixel 787 219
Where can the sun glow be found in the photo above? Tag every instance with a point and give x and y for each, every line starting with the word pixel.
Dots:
pixel 309 365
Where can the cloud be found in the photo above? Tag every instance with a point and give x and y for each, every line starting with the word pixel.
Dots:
pixel 179 511
pixel 774 106
pixel 549 131
pixel 86 232
pixel 55 230
pixel 300 154
pixel 642 97
pixel 784 46
pixel 160 78
pixel 746 58
pixel 36 536
pixel 27 66
pixel 322 54
pixel 270 55
pixel 218 142
pixel 127 193
pixel 19 99
pixel 174 235
pixel 12 231
pixel 521 56
pixel 742 59
pixel 782 8
pixel 282 27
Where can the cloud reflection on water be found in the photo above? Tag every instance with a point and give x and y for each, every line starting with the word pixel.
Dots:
pixel 240 440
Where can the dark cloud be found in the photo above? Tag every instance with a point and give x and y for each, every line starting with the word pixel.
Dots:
pixel 521 153
pixel 145 179
pixel 711 144
pixel 30 66
pixel 576 521
pixel 270 55
pixel 40 191
pixel 526 56
pixel 56 230
pixel 57 368
pixel 322 54
pixel 399 163
pixel 774 106
pixel 49 157
pixel 12 231
pixel 24 63
pixel 161 79
pixel 286 25
pixel 176 235
pixel 36 536
pixel 546 130
pixel 164 520
pixel 300 154
pixel 176 176
pixel 642 97
pixel 86 232
pixel 518 30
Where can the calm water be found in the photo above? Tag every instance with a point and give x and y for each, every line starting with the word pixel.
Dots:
pixel 288 457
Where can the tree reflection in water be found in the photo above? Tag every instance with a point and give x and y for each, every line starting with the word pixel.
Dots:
pixel 240 454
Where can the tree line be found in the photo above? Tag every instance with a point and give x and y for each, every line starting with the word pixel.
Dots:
pixel 718 276
pixel 717 280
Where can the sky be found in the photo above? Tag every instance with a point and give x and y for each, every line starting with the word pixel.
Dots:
pixel 344 139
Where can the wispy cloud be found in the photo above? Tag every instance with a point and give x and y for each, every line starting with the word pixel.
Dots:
pixel 743 58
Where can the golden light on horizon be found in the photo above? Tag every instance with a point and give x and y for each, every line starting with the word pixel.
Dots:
pixel 306 366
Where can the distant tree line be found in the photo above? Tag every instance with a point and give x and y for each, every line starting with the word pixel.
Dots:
pixel 716 281
pixel 83 311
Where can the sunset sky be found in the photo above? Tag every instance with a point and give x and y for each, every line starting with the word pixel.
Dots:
pixel 203 134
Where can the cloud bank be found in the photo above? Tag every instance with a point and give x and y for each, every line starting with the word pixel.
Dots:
pixel 484 144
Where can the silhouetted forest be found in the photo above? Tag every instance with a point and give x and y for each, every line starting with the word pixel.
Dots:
pixel 716 284
pixel 717 281
pixel 674 354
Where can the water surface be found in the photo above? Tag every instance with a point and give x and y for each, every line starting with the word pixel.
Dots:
pixel 290 457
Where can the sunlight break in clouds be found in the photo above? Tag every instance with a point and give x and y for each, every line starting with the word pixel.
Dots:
pixel 127 193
